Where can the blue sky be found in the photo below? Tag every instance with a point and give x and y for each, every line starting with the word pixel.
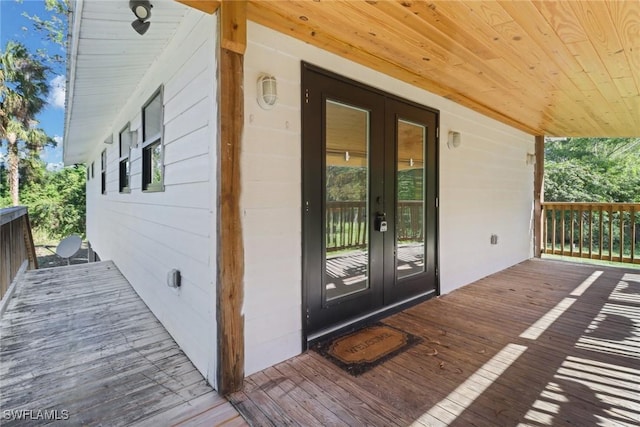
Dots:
pixel 14 26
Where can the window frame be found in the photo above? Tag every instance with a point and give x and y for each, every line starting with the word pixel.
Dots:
pixel 103 172
pixel 148 141
pixel 124 158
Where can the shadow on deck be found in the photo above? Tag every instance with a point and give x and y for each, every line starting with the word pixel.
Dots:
pixel 543 343
pixel 78 345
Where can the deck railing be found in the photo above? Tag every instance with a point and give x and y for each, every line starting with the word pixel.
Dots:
pixel 16 245
pixel 605 231
pixel 347 224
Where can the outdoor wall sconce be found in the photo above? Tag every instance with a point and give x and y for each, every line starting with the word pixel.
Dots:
pixel 142 10
pixel 174 278
pixel 531 158
pixel 267 91
pixel 454 140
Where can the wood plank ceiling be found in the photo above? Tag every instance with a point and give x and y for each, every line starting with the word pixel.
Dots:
pixel 559 68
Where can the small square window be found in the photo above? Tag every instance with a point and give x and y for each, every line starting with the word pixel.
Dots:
pixel 152 148
pixel 124 146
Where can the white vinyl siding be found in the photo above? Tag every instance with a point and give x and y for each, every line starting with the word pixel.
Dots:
pixel 485 187
pixel 149 233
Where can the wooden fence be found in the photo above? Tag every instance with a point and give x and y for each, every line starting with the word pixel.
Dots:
pixel 347 223
pixel 16 245
pixel 605 231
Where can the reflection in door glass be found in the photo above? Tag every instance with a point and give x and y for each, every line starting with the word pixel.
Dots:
pixel 410 198
pixel 346 200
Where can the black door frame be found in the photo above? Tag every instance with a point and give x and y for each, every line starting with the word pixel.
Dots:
pixel 309 216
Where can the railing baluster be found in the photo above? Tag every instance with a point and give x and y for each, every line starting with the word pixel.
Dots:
pixel 590 231
pixel 610 233
pixel 601 235
pixel 562 234
pixel 633 234
pixel 621 214
pixel 545 224
pixel 581 232
pixel 572 230
pixel 553 246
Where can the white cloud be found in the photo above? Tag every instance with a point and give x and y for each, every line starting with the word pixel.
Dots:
pixel 57 139
pixel 54 167
pixel 57 94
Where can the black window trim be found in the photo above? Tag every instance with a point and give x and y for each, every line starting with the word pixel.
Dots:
pixel 148 187
pixel 121 158
pixel 103 172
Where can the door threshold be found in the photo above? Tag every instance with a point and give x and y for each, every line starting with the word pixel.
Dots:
pixel 374 315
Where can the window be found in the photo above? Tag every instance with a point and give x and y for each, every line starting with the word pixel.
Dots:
pixel 124 143
pixel 103 160
pixel 93 167
pixel 152 152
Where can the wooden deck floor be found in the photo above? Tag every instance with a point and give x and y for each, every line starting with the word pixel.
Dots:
pixel 543 343
pixel 78 340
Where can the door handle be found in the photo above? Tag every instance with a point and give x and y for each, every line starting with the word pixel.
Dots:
pixel 381 222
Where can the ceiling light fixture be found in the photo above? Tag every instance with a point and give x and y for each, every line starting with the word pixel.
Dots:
pixel 142 10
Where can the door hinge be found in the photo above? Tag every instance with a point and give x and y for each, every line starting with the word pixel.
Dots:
pixel 437 132
pixel 437 202
pixel 306 96
pixel 437 272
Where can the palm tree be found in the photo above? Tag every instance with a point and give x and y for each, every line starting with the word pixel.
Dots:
pixel 23 94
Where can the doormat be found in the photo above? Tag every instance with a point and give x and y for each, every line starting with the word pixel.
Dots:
pixel 366 348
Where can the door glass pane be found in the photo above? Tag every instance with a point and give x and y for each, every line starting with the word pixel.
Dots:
pixel 410 198
pixel 346 200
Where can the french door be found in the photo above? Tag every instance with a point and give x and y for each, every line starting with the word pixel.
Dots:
pixel 369 200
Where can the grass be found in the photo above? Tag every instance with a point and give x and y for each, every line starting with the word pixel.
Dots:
pixel 591 261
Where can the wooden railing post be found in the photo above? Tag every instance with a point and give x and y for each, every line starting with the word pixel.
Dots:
pixel 538 197
pixel 230 289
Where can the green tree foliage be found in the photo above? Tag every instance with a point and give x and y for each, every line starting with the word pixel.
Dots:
pixel 53 26
pixel 346 183
pixel 23 93
pixel 592 170
pixel 410 184
pixel 57 203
